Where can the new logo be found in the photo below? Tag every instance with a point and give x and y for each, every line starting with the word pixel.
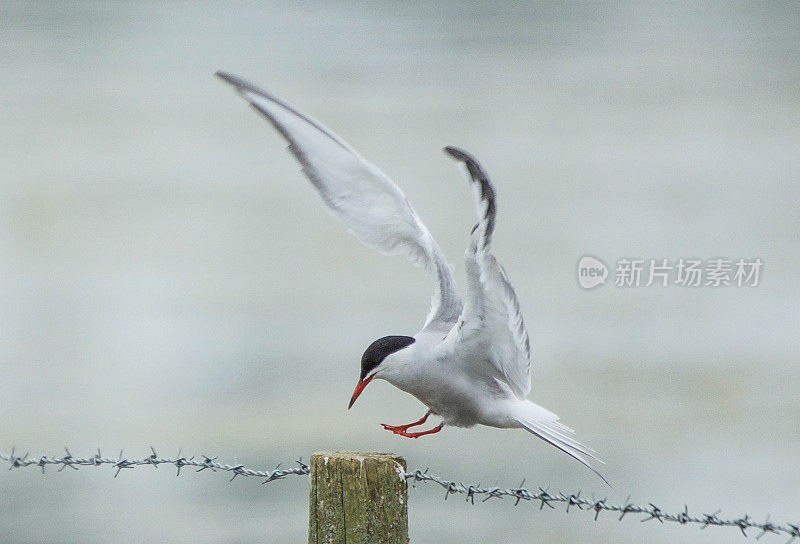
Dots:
pixel 591 272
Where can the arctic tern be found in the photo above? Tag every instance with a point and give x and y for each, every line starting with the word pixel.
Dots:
pixel 470 362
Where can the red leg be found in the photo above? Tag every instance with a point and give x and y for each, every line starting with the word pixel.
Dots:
pixel 398 429
pixel 421 433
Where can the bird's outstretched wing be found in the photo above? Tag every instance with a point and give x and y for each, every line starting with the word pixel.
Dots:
pixel 491 333
pixel 362 197
pixel 491 319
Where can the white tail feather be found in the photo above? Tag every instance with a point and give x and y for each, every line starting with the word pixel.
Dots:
pixel 544 424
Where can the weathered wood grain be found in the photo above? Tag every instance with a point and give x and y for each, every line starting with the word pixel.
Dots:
pixel 358 498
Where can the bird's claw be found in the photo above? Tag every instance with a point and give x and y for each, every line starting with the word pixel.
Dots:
pixel 396 429
pixel 402 430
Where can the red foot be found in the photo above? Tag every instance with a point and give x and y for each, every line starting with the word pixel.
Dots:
pixel 421 433
pixel 402 430
pixel 397 429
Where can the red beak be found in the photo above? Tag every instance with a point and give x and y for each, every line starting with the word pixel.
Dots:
pixel 359 388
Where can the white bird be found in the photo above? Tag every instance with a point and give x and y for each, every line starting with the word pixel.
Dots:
pixel 470 362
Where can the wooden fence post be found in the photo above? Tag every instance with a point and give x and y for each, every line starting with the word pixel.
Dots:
pixel 357 498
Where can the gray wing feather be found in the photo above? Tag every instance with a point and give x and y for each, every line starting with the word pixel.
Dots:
pixel 492 314
pixel 364 199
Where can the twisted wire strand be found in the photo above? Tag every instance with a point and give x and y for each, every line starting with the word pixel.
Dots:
pixel 519 493
pixel 651 511
pixel 179 461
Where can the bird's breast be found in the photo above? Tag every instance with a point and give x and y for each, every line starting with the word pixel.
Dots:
pixel 459 399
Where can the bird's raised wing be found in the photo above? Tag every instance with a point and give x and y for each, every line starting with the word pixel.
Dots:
pixel 362 197
pixel 491 320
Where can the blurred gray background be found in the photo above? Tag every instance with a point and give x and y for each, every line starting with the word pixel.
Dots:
pixel 168 277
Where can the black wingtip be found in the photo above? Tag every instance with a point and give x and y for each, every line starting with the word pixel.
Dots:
pixel 240 84
pixel 478 176
pixel 472 163
pixel 236 81
pixel 458 154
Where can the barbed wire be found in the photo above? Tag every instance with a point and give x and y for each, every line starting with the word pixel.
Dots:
pixel 545 498
pixel 179 461
pixel 519 493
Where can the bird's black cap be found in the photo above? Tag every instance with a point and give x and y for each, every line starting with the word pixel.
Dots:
pixel 379 349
